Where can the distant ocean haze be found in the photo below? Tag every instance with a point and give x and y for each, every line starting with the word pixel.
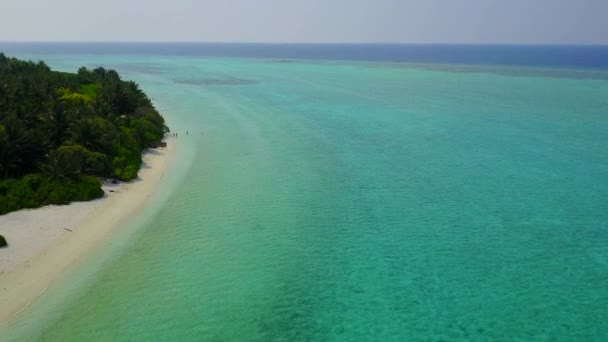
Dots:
pixel 517 55
pixel 331 193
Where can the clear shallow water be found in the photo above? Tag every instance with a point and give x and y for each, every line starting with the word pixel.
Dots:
pixel 356 201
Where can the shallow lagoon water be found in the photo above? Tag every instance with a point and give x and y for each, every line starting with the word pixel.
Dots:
pixel 334 200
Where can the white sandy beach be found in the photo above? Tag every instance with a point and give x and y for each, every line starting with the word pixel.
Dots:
pixel 44 243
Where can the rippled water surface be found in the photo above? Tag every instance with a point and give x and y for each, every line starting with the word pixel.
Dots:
pixel 315 201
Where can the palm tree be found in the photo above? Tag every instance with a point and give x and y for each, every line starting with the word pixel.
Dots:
pixel 56 165
pixel 81 132
pixel 10 159
pixel 56 123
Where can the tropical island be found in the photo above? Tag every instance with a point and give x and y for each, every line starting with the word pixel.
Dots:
pixel 60 133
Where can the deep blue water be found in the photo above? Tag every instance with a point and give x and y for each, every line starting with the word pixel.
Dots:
pixel 515 55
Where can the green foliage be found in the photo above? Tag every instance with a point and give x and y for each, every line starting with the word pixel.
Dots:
pixel 35 190
pixel 67 95
pixel 60 164
pixel 3 242
pixel 129 172
pixel 68 126
pixel 146 132
pixel 98 164
pixel 75 157
pixel 126 164
pixel 90 90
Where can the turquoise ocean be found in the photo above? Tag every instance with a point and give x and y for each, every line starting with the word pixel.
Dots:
pixel 333 200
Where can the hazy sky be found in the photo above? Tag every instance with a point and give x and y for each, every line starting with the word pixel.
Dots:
pixel 409 21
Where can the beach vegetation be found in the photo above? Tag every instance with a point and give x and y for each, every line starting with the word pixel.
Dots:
pixel 35 190
pixel 3 242
pixel 61 131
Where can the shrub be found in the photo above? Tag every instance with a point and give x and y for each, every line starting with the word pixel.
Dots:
pixel 126 164
pixel 36 190
pixel 146 132
pixel 74 157
pixel 3 242
pixel 98 164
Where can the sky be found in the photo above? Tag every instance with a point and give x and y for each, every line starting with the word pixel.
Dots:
pixel 299 21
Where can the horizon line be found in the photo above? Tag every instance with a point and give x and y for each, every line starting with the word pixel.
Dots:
pixel 295 43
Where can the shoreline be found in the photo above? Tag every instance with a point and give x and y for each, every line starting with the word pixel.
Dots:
pixel 45 243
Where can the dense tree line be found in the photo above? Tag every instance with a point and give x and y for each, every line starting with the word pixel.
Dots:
pixel 60 131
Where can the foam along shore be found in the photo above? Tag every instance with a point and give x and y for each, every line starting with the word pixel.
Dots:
pixel 44 243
